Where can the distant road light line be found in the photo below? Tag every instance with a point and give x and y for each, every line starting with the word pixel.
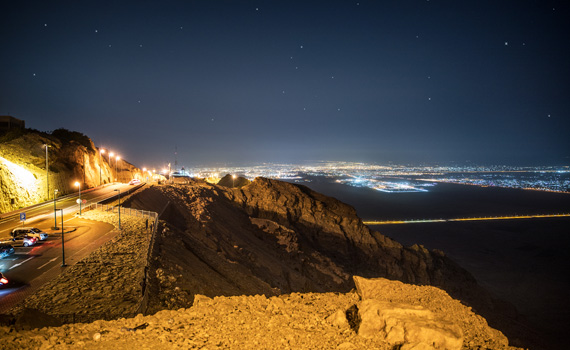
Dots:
pixel 510 217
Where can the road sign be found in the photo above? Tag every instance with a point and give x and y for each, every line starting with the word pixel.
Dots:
pixel 22 216
pixel 84 201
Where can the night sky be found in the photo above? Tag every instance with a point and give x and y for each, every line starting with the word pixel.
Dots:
pixel 290 81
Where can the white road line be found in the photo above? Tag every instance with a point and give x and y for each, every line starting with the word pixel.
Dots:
pixel 52 260
pixel 18 264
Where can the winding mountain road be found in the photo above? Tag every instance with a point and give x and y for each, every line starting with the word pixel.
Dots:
pixel 30 267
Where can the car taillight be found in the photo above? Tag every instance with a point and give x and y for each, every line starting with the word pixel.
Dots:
pixel 3 280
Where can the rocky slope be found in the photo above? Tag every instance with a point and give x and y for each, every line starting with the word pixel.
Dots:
pixel 412 317
pixel 272 237
pixel 72 157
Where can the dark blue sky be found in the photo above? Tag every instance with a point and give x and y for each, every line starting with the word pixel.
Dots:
pixel 247 81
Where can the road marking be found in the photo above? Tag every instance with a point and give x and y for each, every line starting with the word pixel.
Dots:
pixel 52 260
pixel 18 264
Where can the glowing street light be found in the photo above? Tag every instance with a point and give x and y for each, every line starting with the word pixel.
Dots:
pixel 101 151
pixel 78 185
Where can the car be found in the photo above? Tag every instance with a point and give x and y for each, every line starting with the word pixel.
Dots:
pixel 6 250
pixel 24 239
pixel 135 182
pixel 31 232
pixel 3 280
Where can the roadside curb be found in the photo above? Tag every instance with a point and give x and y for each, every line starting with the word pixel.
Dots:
pixel 72 229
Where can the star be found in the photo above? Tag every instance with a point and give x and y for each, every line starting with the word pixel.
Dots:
pixel 506 43
pixel 96 31
pixel 549 116
pixel 45 24
pixel 140 45
pixel 429 98
pixel 301 46
pixel 34 74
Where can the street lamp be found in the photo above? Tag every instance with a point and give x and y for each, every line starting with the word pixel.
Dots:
pixel 78 185
pixel 101 151
pixel 119 190
pixel 116 173
pixel 62 241
pixel 110 155
pixel 47 170
pixel 54 211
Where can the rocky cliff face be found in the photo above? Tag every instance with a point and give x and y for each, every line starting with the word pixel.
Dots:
pixel 272 237
pixel 71 157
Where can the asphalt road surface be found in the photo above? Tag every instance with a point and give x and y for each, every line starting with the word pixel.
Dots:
pixel 30 267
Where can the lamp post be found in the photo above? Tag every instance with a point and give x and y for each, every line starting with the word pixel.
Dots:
pixel 116 172
pixel 100 152
pixel 110 155
pixel 62 241
pixel 78 185
pixel 47 170
pixel 119 190
pixel 54 211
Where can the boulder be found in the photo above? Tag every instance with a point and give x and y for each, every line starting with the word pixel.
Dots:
pixel 404 324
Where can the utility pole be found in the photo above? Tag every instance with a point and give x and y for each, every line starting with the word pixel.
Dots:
pixel 100 164
pixel 54 211
pixel 47 170
pixel 62 241
pixel 119 207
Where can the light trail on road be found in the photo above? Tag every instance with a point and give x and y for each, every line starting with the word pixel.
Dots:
pixel 421 221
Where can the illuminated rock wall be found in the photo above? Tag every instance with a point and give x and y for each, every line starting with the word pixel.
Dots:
pixel 23 173
pixel 19 186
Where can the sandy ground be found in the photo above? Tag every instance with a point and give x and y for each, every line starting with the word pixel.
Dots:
pixel 293 321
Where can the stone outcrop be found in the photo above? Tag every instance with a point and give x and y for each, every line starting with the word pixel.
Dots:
pixel 71 157
pixel 229 181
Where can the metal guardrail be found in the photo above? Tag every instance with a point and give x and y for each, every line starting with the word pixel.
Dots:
pixel 124 211
pixel 143 303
